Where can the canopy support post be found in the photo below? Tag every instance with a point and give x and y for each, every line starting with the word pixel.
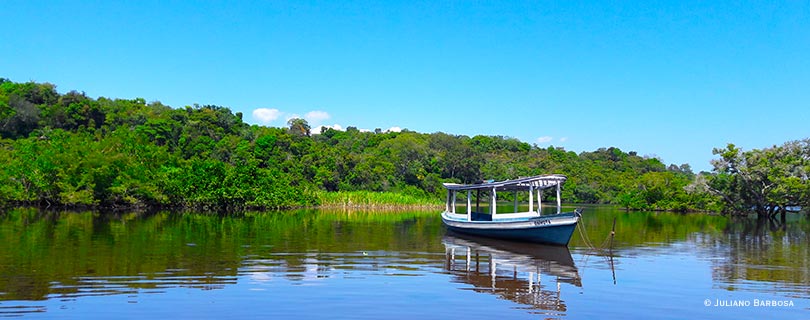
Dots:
pixel 447 201
pixel 559 201
pixel 478 200
pixel 539 201
pixel 469 218
pixel 494 208
pixel 531 201
pixel 453 205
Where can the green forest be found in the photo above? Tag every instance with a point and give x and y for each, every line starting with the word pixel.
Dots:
pixel 71 150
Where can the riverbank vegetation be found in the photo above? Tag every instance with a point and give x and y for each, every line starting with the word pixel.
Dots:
pixel 70 150
pixel 372 199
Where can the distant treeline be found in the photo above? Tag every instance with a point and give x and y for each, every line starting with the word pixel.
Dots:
pixel 73 150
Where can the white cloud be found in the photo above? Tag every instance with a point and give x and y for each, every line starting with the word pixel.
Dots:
pixel 563 139
pixel 317 130
pixel 266 115
pixel 394 129
pixel 316 116
pixel 544 139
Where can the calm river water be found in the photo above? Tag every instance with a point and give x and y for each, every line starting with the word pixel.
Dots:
pixel 355 265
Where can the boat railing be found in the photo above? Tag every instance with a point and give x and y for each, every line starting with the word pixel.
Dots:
pixel 527 214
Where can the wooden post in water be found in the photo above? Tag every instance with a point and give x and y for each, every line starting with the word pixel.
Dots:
pixel 612 235
pixel 610 250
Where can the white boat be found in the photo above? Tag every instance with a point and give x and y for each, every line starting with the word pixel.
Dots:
pixel 528 225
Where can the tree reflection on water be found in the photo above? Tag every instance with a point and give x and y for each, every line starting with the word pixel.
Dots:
pixel 47 256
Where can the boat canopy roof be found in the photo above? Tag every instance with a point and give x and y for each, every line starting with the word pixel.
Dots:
pixel 538 182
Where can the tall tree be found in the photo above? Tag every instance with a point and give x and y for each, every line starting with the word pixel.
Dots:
pixel 299 127
pixel 766 181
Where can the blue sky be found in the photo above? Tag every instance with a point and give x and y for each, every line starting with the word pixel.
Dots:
pixel 672 79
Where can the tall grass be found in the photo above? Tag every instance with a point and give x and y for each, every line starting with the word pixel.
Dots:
pixel 357 199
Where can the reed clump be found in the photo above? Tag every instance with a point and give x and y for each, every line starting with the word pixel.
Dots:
pixel 370 199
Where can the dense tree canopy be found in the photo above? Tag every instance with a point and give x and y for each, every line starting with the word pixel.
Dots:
pixel 69 149
pixel 766 181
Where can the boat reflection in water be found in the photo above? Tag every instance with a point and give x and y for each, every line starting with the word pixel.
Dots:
pixel 526 273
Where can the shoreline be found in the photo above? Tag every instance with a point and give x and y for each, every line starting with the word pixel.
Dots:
pixel 349 205
pixel 217 208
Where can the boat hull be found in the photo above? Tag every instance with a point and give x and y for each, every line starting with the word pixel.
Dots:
pixel 554 230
